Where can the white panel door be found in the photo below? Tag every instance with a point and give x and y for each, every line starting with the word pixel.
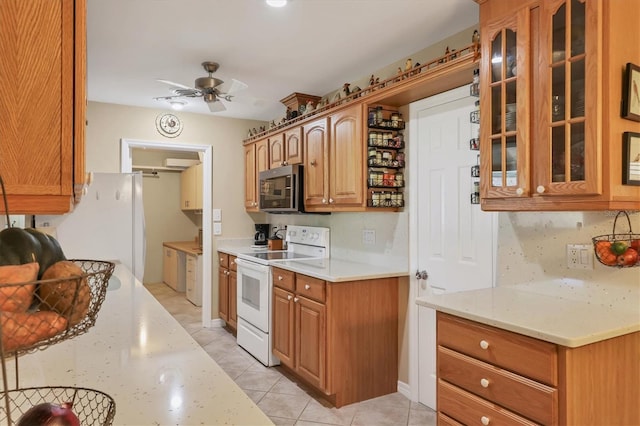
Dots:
pixel 454 238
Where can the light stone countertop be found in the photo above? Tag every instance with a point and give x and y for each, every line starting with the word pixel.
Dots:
pixel 331 269
pixel 185 246
pixel 142 357
pixel 567 318
pixel 337 270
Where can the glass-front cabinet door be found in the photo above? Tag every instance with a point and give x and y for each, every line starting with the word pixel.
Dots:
pixel 566 162
pixel 504 108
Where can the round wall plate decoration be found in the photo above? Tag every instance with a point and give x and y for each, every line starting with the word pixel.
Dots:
pixel 168 125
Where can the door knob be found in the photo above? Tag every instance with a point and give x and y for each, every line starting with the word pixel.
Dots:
pixel 422 275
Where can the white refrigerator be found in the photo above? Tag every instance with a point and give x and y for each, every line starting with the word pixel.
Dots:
pixel 107 224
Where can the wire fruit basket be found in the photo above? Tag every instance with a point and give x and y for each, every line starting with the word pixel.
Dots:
pixel 620 250
pixel 67 309
pixel 39 313
pixel 92 407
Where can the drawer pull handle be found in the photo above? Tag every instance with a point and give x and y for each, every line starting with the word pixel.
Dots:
pixel 289 297
pixel 485 420
pixel 484 383
pixel 307 286
pixel 484 344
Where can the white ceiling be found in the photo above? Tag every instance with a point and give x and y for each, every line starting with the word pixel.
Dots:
pixel 309 46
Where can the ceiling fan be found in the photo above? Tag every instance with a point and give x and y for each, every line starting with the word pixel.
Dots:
pixel 209 88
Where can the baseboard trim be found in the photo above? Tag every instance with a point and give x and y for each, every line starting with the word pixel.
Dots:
pixel 216 322
pixel 404 389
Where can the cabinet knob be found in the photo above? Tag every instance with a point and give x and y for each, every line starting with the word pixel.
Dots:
pixel 484 383
pixel 330 200
pixel 540 189
pixel 295 299
pixel 519 191
pixel 485 420
pixel 289 297
pixel 280 278
pixel 284 163
pixel 221 260
pixel 484 344
pixel 324 201
pixel 313 163
pixel 307 286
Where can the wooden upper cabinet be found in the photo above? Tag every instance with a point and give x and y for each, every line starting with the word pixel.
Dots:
pixel 334 162
pixel 276 151
pixel 316 166
pixel 286 148
pixel 551 128
pixel 42 136
pixel 250 178
pixel 256 159
pixel 346 157
pixel 505 84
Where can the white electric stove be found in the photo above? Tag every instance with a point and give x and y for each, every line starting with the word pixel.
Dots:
pixel 255 286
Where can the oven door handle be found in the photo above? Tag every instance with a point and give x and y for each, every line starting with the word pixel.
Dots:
pixel 251 265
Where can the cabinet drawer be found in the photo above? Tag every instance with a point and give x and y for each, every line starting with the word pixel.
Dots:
pixel 311 288
pixel 223 258
pixel 447 421
pixel 284 279
pixel 524 396
pixel 524 355
pixel 469 409
pixel 232 263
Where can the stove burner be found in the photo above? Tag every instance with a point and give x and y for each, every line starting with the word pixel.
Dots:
pixel 277 255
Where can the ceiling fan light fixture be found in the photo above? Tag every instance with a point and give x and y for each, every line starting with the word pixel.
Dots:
pixel 177 105
pixel 277 3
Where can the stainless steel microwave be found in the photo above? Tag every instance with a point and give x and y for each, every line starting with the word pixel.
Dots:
pixel 281 190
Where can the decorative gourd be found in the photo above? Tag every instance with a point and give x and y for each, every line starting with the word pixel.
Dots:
pixel 19 246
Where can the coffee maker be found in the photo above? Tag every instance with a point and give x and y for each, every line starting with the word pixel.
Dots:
pixel 261 235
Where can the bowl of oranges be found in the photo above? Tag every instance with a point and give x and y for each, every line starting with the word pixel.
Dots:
pixel 618 249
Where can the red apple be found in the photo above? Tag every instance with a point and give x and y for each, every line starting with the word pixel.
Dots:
pixel 628 258
pixel 47 414
pixel 635 244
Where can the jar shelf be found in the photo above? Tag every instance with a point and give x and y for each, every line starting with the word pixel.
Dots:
pixel 391 164
pixel 385 158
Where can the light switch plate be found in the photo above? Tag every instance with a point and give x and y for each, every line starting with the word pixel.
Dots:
pixel 368 236
pixel 217 215
pixel 217 228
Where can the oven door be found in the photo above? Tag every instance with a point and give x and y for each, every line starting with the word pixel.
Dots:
pixel 254 285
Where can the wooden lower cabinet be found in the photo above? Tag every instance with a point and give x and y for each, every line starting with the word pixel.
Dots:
pixel 341 338
pixel 227 290
pixel 487 375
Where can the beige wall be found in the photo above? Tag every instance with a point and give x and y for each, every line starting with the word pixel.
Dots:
pixel 108 123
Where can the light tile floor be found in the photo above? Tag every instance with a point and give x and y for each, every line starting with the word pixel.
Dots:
pixel 285 400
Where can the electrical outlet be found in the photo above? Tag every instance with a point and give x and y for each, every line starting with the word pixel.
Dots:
pixel 369 236
pixel 579 256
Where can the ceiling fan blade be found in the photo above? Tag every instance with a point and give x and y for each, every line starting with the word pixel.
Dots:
pixel 166 98
pixel 232 87
pixel 216 106
pixel 171 83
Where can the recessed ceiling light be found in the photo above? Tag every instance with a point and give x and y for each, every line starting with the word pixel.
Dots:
pixel 277 3
pixel 177 105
